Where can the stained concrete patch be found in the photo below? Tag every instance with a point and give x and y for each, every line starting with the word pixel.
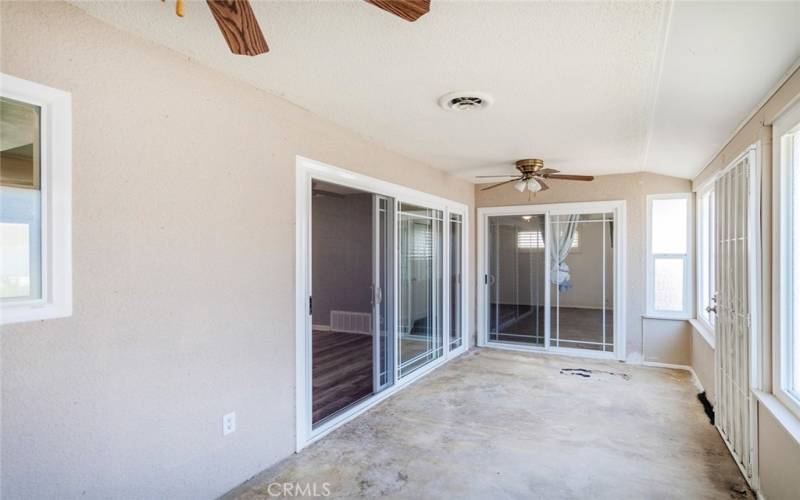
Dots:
pixel 586 373
pixel 500 424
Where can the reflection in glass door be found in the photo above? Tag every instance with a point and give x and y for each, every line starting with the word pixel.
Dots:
pixel 420 287
pixel 582 281
pixel 516 279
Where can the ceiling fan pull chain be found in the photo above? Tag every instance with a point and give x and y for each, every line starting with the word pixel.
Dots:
pixel 179 8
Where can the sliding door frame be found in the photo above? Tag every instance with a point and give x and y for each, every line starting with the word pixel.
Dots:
pixel 308 170
pixel 618 207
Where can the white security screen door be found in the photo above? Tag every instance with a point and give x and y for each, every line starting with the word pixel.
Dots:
pixel 736 239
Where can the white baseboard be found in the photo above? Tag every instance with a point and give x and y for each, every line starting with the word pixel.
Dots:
pixel 321 328
pixel 687 368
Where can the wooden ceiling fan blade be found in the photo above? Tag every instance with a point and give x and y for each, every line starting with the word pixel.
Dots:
pixel 500 184
pixel 491 176
pixel 568 177
pixel 546 171
pixel 410 10
pixel 544 185
pixel 239 26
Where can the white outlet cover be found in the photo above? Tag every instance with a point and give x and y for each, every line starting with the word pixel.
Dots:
pixel 228 423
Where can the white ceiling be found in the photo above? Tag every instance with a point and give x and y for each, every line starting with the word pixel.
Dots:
pixel 592 88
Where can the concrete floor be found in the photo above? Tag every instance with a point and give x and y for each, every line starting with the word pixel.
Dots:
pixel 499 424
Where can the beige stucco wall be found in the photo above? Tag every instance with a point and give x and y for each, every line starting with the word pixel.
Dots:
pixel 183 233
pixel 667 341
pixel 778 458
pixel 778 452
pixel 633 188
pixel 703 364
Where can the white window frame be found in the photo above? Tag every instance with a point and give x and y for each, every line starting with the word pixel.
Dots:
pixel 786 125
pixel 56 199
pixel 699 257
pixel 686 312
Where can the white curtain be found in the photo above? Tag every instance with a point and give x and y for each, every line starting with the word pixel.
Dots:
pixel 562 243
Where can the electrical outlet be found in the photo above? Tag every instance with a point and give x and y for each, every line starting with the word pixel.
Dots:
pixel 228 423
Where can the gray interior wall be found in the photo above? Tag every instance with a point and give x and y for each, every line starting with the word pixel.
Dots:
pixel 183 267
pixel 341 235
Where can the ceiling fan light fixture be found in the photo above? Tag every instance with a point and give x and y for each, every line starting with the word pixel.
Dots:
pixel 533 186
pixel 520 185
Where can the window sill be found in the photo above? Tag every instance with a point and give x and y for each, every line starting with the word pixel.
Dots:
pixel 25 313
pixel 667 317
pixel 782 414
pixel 704 331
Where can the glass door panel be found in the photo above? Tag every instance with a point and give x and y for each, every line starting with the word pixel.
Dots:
pixel 582 281
pixel 345 347
pixel 383 295
pixel 456 290
pixel 420 287
pixel 516 279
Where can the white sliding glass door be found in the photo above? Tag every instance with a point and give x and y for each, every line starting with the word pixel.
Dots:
pixel 381 291
pixel 582 281
pixel 420 332
pixel 516 279
pixel 552 277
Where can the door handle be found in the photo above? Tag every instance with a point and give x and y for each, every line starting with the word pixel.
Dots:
pixel 713 308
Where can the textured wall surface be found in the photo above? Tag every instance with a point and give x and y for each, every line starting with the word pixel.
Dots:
pixel 779 457
pixel 183 234
pixel 633 188
pixel 703 364
pixel 667 341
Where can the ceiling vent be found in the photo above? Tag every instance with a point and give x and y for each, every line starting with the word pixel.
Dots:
pixel 465 101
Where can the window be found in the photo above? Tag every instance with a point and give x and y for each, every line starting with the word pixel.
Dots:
pixel 786 141
pixel 534 239
pixel 668 265
pixel 706 252
pixel 530 239
pixel 35 209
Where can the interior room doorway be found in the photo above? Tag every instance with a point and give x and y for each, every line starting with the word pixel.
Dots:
pixel 553 278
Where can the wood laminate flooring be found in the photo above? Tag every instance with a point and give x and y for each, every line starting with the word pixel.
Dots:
pixel 341 371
